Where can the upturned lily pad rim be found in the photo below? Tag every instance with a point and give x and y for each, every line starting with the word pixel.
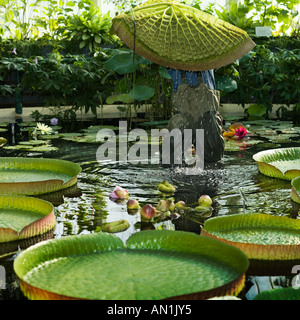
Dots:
pixel 120 27
pixel 42 208
pixel 295 193
pixel 266 162
pixel 42 186
pixel 260 220
pixel 162 240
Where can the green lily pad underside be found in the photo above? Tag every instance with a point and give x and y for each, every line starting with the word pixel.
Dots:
pixel 154 265
pixel 281 163
pixel 295 193
pixel 175 35
pixel 280 155
pixel 285 166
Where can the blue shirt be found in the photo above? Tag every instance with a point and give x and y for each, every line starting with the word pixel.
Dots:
pixel 192 78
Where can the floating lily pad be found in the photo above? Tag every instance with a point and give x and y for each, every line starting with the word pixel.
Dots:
pixel 24 217
pixel 158 264
pixel 279 294
pixel 25 176
pixel 295 193
pixel 259 236
pixel 179 36
pixel 33 142
pixel 3 141
pixel 282 163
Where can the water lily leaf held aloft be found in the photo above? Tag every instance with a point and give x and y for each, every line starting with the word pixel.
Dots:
pixel 282 163
pixel 259 236
pixel 178 36
pixel 25 176
pixel 24 217
pixel 295 193
pixel 152 265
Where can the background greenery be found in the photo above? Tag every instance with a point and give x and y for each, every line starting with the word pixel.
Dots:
pixel 65 54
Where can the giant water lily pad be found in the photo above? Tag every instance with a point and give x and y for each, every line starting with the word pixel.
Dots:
pixel 282 163
pixel 289 293
pixel 260 236
pixel 179 36
pixel 24 217
pixel 295 193
pixel 25 176
pixel 153 265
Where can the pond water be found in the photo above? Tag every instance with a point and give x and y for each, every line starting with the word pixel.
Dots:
pixel 235 185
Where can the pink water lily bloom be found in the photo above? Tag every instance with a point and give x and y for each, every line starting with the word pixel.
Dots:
pixel 241 132
pixel 119 193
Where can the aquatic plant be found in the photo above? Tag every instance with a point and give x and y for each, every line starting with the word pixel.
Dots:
pixel 162 206
pixel 179 36
pixel 3 141
pixel 119 193
pixel 295 192
pixel 42 129
pixel 204 267
pixel 282 163
pixel 166 187
pixel 235 131
pixel 259 236
pixel 25 176
pixel 147 212
pixel 205 201
pixel 180 205
pixel 241 132
pixel 24 217
pixel 133 204
pixel 115 226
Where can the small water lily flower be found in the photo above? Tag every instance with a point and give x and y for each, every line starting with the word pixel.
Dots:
pixel 171 204
pixel 205 201
pixel 119 193
pixel 180 204
pixel 42 128
pixel 14 51
pixel 235 131
pixel 162 206
pixel 54 122
pixel 133 204
pixel 241 132
pixel 148 212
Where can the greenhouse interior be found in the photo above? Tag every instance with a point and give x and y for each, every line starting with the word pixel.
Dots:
pixel 149 150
